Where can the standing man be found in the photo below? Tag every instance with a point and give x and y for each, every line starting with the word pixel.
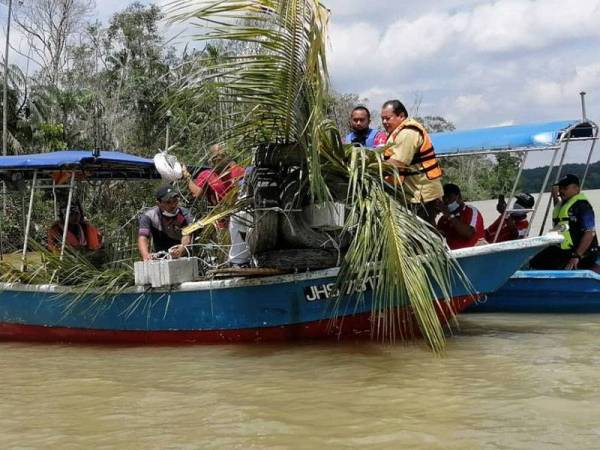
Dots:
pixel 410 150
pixel 460 224
pixel 215 184
pixel 162 225
pixel 579 249
pixel 361 133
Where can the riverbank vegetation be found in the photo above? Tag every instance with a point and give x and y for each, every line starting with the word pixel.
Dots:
pixel 256 75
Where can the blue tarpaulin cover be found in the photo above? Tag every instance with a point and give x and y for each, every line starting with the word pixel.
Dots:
pixel 72 159
pixel 109 164
pixel 506 137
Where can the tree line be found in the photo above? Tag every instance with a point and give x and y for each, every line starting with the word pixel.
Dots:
pixel 117 85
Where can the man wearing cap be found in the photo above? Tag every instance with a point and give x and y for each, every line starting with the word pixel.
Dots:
pixel 162 224
pixel 572 210
pixel 515 224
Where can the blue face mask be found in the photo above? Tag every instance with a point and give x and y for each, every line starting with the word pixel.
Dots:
pixel 453 206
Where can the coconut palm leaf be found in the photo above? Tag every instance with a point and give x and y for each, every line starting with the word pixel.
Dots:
pixel 274 90
pixel 279 87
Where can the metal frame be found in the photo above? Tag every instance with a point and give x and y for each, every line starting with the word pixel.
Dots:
pixel 67 216
pixel 28 225
pixel 562 144
pixel 512 195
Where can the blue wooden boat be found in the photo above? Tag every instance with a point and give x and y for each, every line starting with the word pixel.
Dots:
pixel 268 308
pixel 545 291
pixel 274 308
pixel 533 291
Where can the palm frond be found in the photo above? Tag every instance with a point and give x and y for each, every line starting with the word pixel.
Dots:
pixel 278 89
pixel 403 256
pixel 273 89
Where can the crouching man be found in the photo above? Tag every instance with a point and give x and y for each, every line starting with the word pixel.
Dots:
pixel 161 226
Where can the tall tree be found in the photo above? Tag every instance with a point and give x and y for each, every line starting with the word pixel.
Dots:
pixel 136 76
pixel 50 26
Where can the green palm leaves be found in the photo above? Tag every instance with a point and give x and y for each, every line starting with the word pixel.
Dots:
pixel 271 80
pixel 272 84
pixel 404 255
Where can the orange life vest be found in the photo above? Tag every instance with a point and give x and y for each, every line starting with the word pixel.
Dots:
pixel 93 238
pixel 425 157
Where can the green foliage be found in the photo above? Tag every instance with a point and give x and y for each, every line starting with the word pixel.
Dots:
pixel 532 179
pixel 436 124
pixel 49 136
pixel 482 177
pixel 279 92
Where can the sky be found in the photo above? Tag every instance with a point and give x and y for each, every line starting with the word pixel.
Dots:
pixel 476 63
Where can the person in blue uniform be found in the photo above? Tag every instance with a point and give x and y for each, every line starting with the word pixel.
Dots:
pixel 362 133
pixel 572 211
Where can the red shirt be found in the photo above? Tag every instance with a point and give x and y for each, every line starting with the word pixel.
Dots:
pixel 506 234
pixel 218 184
pixel 469 216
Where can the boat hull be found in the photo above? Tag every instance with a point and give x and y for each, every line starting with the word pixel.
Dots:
pixel 545 291
pixel 275 308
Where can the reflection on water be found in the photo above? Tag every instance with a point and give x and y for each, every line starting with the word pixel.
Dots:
pixel 508 381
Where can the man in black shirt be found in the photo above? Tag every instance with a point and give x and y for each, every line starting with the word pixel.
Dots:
pixel 162 224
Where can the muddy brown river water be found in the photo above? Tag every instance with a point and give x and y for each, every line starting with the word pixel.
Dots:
pixel 507 381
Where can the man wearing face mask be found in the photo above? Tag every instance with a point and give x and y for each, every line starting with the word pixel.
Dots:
pixel 162 225
pixel 515 224
pixel 460 224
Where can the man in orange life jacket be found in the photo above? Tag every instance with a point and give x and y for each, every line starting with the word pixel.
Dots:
pixel 362 133
pixel 81 235
pixel 410 150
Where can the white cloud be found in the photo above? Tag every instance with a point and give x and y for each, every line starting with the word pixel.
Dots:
pixel 477 63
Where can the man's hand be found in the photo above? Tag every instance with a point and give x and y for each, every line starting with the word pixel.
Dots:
pixel 185 174
pixel 572 264
pixel 177 252
pixel 555 194
pixel 443 208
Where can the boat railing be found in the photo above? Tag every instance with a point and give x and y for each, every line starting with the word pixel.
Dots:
pixel 556 138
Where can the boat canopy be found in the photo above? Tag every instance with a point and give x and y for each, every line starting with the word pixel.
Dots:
pixel 101 165
pixel 538 136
